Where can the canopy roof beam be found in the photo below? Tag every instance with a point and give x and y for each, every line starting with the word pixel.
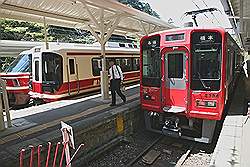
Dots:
pixel 106 29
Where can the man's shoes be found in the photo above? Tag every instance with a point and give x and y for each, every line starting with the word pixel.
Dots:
pixel 124 101
pixel 112 105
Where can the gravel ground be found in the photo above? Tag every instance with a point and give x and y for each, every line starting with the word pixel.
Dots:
pixel 200 156
pixel 171 150
pixel 122 154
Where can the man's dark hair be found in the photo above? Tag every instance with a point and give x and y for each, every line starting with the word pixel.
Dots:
pixel 112 60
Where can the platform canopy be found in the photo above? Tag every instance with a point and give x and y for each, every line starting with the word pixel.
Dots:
pixel 101 17
pixel 84 14
pixel 238 12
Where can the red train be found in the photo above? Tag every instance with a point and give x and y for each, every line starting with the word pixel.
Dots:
pixel 186 79
pixel 17 77
pixel 65 70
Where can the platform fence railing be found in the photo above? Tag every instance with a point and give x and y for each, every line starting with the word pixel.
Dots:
pixel 48 156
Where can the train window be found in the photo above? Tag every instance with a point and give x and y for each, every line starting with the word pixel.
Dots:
pixel 118 61
pixel 151 62
pixel 121 45
pixel 206 60
pixel 71 66
pixel 52 71
pixel 126 64
pixel 96 66
pixel 136 64
pixel 21 64
pixel 175 65
pixel 37 70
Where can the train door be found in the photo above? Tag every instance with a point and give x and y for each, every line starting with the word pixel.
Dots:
pixel 36 74
pixel 175 84
pixel 72 76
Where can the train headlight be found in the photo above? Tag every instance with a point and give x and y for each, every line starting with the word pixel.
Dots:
pixel 200 103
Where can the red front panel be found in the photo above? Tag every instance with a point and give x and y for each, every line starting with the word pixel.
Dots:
pixel 17 85
pixel 200 98
pixel 150 98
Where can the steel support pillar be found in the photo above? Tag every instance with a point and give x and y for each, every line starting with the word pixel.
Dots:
pixel 104 74
pixel 45 33
pixel 106 28
pixel 241 17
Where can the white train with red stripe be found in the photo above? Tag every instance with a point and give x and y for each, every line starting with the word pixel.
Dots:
pixel 17 77
pixel 69 70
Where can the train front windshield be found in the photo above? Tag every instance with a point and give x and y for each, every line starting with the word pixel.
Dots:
pixel 51 71
pixel 21 64
pixel 206 61
pixel 151 62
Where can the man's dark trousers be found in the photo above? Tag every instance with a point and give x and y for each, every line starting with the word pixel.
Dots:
pixel 115 87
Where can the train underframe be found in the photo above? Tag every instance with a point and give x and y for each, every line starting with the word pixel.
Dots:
pixel 18 99
pixel 175 125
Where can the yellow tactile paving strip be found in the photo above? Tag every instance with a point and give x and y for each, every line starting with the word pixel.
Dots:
pixel 41 127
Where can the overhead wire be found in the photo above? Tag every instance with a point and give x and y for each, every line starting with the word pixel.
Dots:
pixel 203 13
pixel 211 12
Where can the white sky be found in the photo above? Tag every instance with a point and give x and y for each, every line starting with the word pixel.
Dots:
pixel 176 8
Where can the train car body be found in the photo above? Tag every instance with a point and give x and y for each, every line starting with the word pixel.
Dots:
pixel 186 79
pixel 17 77
pixel 69 70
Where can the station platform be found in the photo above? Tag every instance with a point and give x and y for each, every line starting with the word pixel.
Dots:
pixel 233 146
pixel 94 123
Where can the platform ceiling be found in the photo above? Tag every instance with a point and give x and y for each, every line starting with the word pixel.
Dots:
pixel 235 11
pixel 75 13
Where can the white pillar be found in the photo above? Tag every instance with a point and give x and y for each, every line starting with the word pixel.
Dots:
pixel 45 33
pixel 104 75
pixel 2 126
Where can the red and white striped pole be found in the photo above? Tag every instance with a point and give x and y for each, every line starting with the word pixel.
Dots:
pixel 39 155
pixel 48 154
pixel 63 151
pixel 21 157
pixel 32 155
pixel 55 155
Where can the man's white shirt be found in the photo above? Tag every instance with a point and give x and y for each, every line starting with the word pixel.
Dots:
pixel 117 74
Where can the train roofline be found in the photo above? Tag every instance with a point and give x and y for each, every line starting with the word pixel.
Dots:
pixel 81 47
pixel 189 29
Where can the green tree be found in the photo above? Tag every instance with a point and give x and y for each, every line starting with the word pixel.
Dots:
pixel 142 6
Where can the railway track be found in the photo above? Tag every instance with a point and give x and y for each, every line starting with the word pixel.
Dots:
pixel 149 155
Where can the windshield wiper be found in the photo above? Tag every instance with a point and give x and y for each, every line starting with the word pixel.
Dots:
pixel 202 82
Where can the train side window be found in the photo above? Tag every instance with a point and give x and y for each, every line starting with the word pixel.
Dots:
pixel 37 70
pixel 96 66
pixel 126 64
pixel 175 65
pixel 72 66
pixel 136 64
pixel 118 61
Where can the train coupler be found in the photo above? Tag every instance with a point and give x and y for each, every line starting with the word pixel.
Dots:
pixel 171 127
